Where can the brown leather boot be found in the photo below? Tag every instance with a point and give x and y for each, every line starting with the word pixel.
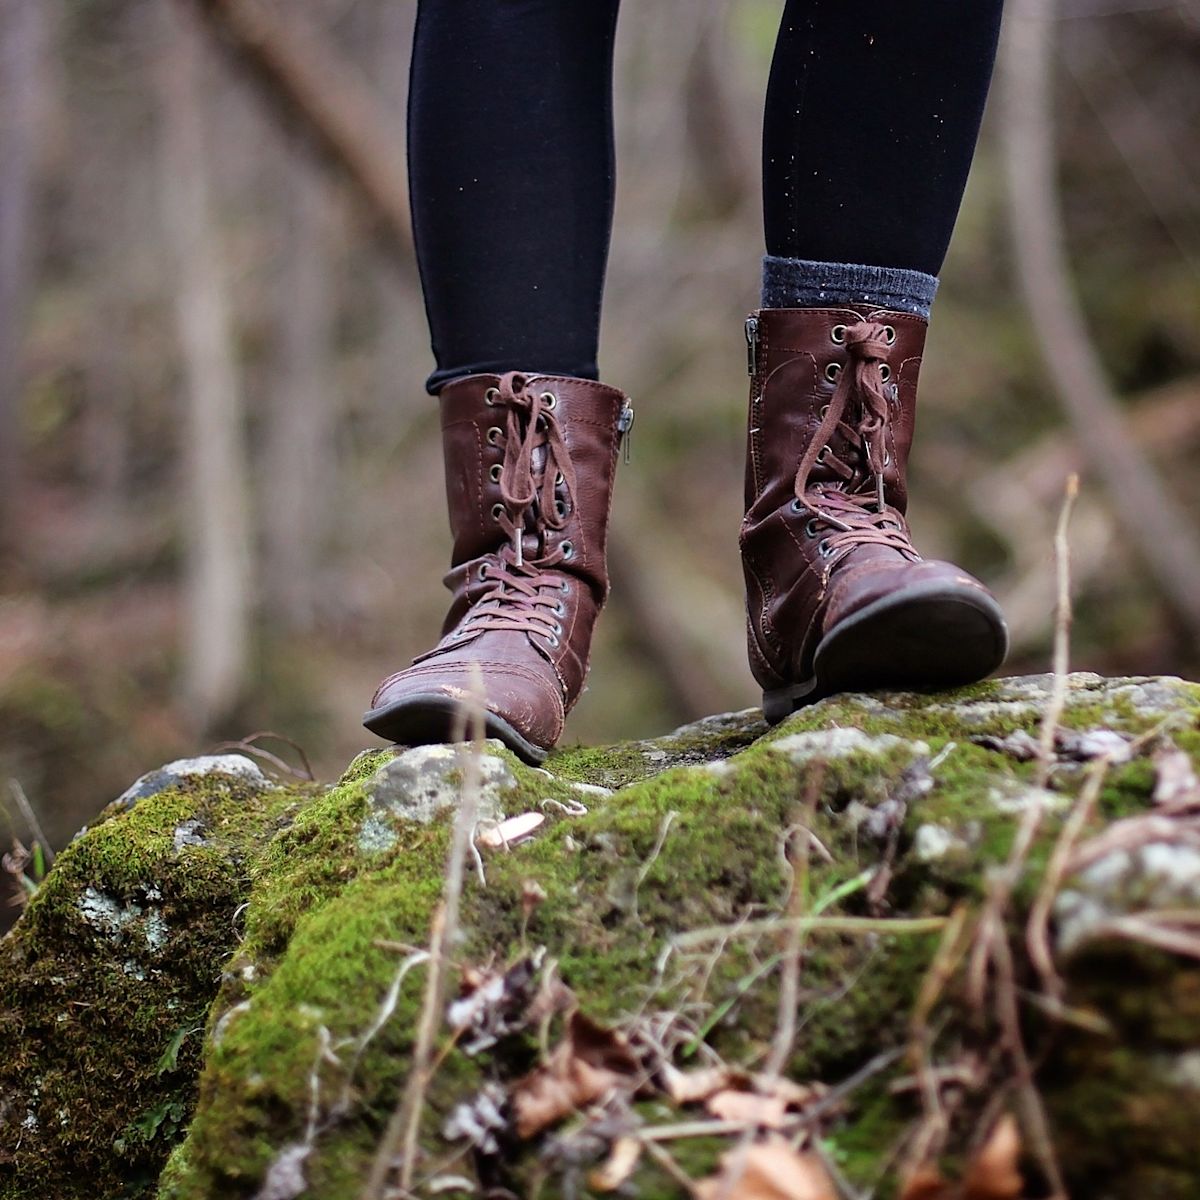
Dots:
pixel 530 461
pixel 837 597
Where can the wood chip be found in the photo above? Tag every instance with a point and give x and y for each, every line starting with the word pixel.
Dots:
pixel 511 831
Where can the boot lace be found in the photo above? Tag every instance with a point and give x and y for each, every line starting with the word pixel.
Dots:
pixel 857 517
pixel 535 469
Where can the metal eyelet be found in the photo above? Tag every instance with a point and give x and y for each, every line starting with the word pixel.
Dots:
pixel 796 506
pixel 812 528
pixel 885 372
pixel 833 371
pixel 559 609
pixel 497 511
pixel 482 572
pixel 565 588
pixel 837 335
pixel 550 400
pixel 551 640
pixel 823 454
pixel 560 508
pixel 557 629
pixel 559 479
pixel 491 396
pixel 495 472
pixel 887 458
pixel 824 411
pixel 889 334
pixel 568 550
pixel 824 549
pixel 494 433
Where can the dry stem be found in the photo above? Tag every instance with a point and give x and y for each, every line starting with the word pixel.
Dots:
pixel 1062 635
pixel 401 1132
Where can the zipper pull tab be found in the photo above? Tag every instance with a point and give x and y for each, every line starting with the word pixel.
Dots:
pixel 625 426
pixel 751 345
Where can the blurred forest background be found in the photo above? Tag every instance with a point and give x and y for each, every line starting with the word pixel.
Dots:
pixel 221 498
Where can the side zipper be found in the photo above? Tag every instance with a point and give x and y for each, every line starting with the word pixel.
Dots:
pixel 751 345
pixel 625 427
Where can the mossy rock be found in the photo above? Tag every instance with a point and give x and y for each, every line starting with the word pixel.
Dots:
pixel 185 1003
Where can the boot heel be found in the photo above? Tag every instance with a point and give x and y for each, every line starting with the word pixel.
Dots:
pixel 780 703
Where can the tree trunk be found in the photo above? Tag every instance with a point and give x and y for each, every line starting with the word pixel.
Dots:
pixel 22 33
pixel 298 471
pixel 217 571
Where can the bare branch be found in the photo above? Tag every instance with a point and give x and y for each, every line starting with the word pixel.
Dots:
pixel 326 101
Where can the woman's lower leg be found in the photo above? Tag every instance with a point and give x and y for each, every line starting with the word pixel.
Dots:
pixel 511 170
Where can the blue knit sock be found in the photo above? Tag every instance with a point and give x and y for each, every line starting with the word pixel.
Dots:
pixel 799 283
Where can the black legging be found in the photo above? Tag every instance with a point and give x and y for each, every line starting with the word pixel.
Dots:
pixel 872 114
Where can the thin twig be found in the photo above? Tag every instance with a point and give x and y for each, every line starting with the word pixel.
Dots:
pixel 851 925
pixel 1037 930
pixel 833 1098
pixel 401 1132
pixel 1152 933
pixel 247 744
pixel 844 1187
pixel 18 794
pixel 1062 635
pixel 665 1160
pixel 789 976
pixel 663 830
pixel 382 1016
pixel 1036 1123
pixel 932 1130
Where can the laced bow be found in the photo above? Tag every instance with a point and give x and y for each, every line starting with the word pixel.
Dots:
pixel 536 466
pixel 858 517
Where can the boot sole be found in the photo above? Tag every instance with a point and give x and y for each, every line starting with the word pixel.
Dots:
pixel 922 639
pixel 430 719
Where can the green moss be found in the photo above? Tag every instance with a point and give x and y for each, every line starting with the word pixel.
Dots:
pixel 364 765
pixel 676 850
pixel 119 952
pixel 607 766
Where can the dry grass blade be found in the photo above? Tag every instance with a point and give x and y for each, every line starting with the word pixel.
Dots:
pixel 853 925
pixel 1146 929
pixel 1062 635
pixel 663 829
pixel 35 826
pixel 1031 1100
pixel 1037 930
pixel 400 1137
pixel 932 1130
pixel 248 745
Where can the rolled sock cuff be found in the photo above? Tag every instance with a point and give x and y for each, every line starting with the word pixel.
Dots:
pixel 498 366
pixel 801 283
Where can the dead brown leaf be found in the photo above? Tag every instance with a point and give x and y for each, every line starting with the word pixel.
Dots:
pixel 587 1064
pixel 691 1087
pixel 928 1184
pixel 620 1164
pixel 748 1108
pixel 769 1170
pixel 794 1095
pixel 493 1005
pixel 991 1175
